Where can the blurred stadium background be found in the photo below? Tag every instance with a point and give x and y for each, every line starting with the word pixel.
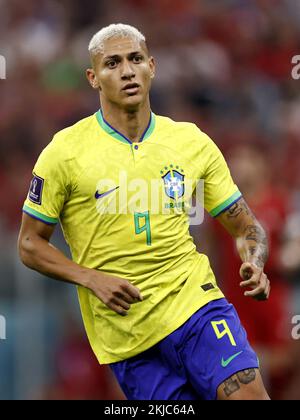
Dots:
pixel 224 64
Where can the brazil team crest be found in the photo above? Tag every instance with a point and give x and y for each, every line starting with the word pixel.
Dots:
pixel 174 182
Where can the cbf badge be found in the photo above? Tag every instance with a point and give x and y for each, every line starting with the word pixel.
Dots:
pixel 36 189
pixel 174 182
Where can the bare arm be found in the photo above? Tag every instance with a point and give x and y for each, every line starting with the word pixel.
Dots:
pixel 252 245
pixel 37 253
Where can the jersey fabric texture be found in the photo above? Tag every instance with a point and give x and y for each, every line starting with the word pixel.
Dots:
pixel 90 178
pixel 193 361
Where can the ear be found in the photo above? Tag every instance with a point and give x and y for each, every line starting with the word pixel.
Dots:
pixel 91 76
pixel 152 67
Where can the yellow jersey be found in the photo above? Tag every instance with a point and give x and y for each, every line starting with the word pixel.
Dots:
pixel 123 210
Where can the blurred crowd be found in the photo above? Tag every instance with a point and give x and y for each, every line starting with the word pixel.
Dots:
pixel 225 65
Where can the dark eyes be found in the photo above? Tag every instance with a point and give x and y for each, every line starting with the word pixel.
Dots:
pixel 137 59
pixel 113 63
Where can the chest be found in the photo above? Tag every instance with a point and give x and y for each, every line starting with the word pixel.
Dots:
pixel 143 168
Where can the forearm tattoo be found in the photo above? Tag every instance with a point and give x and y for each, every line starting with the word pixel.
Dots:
pixel 238 208
pixel 244 377
pixel 255 240
pixel 255 233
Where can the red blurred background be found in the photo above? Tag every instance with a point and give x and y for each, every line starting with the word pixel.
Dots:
pixel 225 65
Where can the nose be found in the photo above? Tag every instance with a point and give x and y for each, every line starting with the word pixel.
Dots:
pixel 127 71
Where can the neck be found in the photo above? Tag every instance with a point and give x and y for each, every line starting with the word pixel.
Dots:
pixel 131 123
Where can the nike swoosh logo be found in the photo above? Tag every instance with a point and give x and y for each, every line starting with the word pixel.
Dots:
pixel 97 195
pixel 225 363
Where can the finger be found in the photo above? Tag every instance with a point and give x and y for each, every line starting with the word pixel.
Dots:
pixel 120 302
pixel 126 297
pixel 261 297
pixel 264 295
pixel 255 292
pixel 133 291
pixel 264 281
pixel 268 290
pixel 248 283
pixel 118 309
pixel 255 280
pixel 267 293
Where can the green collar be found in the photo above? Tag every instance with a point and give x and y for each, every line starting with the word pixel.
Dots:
pixel 119 136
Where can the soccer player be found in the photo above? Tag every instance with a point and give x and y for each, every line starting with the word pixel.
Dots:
pixel 151 305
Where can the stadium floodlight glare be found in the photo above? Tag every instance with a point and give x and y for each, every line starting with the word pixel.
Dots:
pixel 2 67
pixel 2 328
pixel 296 68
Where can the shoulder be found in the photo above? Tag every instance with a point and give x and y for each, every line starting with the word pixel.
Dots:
pixel 167 123
pixel 184 132
pixel 75 132
pixel 67 141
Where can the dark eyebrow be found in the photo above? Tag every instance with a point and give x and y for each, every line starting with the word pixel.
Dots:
pixel 135 53
pixel 111 57
pixel 117 57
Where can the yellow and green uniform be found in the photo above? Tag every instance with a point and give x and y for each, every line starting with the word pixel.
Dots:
pixel 89 169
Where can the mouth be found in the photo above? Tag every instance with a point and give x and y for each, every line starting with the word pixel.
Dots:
pixel 131 88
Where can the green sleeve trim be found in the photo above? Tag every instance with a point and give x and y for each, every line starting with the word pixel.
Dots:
pixel 40 216
pixel 228 203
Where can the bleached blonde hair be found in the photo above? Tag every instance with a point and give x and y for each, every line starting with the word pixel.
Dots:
pixel 115 30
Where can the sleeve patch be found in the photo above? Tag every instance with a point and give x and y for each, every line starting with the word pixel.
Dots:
pixel 36 190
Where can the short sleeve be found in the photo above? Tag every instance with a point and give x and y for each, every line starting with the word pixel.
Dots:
pixel 48 189
pixel 220 192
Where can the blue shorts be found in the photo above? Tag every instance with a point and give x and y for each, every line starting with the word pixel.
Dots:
pixel 193 361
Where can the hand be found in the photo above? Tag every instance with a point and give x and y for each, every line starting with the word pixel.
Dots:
pixel 256 279
pixel 117 294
